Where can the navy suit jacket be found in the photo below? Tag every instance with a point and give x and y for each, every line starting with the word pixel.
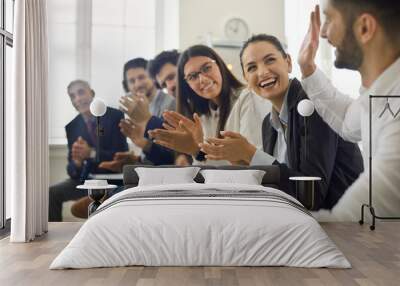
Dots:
pixel 158 154
pixel 337 162
pixel 111 141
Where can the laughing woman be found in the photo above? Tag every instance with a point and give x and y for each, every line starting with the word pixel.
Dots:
pixel 266 67
pixel 206 94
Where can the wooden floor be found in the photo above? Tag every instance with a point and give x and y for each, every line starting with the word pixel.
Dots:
pixel 375 257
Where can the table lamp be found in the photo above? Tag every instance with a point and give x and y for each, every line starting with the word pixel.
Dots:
pixel 305 185
pixel 98 108
pixel 305 108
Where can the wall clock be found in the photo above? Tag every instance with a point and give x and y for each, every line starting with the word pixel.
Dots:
pixel 236 29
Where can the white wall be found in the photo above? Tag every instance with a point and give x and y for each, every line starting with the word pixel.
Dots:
pixel 207 17
pixel 167 25
pixel 198 18
pixel 58 163
pixel 62 64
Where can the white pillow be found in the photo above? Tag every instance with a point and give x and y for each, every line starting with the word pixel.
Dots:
pixel 166 176
pixel 248 177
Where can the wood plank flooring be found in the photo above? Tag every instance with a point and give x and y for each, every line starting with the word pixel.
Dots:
pixel 375 257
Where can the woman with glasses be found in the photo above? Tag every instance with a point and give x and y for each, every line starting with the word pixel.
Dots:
pixel 266 67
pixel 206 93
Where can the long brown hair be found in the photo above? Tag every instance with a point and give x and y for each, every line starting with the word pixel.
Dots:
pixel 189 102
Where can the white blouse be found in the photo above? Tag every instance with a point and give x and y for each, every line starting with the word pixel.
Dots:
pixel 247 113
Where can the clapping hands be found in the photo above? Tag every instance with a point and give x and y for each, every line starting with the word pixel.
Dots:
pixel 180 134
pixel 80 151
pixel 233 147
pixel 134 131
pixel 136 107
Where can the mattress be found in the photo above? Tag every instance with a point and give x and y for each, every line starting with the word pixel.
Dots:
pixel 201 225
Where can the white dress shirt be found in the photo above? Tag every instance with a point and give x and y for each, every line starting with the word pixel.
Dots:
pixel 279 122
pixel 350 119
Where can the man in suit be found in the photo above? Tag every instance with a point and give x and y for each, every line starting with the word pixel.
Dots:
pixel 81 135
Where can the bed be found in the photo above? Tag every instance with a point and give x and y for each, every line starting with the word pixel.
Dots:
pixel 201 224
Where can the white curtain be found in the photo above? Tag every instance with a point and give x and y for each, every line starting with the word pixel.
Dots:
pixel 27 143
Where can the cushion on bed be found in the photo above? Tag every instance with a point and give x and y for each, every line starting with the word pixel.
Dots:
pixel 248 177
pixel 164 176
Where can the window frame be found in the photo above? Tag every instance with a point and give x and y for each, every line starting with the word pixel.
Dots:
pixel 6 39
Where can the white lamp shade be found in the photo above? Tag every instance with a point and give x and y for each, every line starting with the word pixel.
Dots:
pixel 305 107
pixel 98 107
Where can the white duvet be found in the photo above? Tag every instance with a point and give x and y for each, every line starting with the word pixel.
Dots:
pixel 185 231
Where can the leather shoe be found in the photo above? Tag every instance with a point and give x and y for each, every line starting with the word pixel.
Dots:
pixel 80 207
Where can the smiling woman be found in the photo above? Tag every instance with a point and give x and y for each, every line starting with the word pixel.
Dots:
pixel 266 67
pixel 205 84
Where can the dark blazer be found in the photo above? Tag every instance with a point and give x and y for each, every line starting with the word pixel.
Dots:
pixel 157 154
pixel 111 141
pixel 337 162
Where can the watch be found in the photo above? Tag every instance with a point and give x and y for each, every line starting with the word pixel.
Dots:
pixel 92 153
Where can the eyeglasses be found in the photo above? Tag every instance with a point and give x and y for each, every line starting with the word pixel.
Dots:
pixel 205 69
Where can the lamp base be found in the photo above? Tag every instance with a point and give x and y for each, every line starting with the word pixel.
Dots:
pixel 96 195
pixel 305 190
